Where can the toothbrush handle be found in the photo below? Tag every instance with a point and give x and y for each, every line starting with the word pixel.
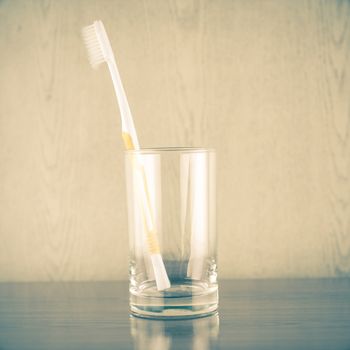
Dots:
pixel 162 279
pixel 127 120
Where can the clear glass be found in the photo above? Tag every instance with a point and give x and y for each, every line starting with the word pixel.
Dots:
pixel 172 212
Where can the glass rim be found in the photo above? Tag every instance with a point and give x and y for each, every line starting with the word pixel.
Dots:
pixel 178 149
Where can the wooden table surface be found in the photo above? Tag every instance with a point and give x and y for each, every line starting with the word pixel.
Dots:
pixel 253 314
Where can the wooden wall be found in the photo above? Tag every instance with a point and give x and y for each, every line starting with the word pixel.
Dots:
pixel 267 83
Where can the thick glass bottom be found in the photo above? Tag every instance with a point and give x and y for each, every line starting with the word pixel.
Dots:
pixel 185 299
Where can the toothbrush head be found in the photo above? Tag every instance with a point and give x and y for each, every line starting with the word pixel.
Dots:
pixel 97 44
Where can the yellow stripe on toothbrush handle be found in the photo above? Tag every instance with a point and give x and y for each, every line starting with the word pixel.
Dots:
pixel 153 246
pixel 151 238
pixel 127 141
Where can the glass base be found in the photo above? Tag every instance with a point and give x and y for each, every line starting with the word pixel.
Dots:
pixel 184 299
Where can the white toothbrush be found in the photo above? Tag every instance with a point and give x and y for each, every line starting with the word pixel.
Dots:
pixel 99 51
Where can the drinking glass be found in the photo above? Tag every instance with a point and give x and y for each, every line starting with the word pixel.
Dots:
pixel 172 235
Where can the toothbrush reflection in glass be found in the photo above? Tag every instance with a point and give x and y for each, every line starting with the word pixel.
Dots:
pixel 99 51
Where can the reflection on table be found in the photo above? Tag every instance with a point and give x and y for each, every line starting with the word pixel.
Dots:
pixel 195 334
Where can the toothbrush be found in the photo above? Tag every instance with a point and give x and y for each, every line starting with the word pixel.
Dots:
pixel 100 51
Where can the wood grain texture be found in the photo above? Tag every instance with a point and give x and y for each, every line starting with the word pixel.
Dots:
pixel 256 314
pixel 266 83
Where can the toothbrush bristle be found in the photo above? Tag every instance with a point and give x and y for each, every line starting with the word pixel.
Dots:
pixel 93 46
